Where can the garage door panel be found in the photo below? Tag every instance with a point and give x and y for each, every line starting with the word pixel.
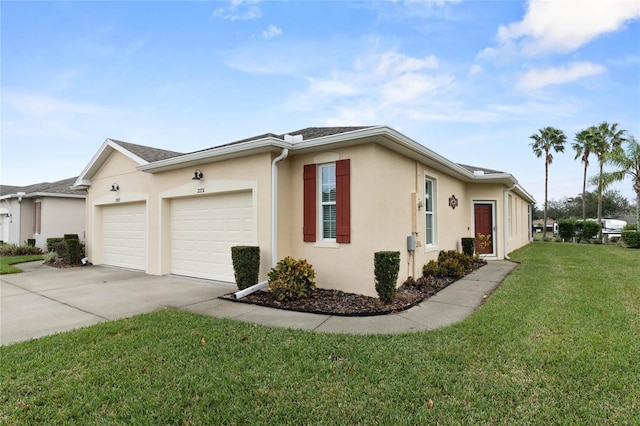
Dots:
pixel 124 235
pixel 203 230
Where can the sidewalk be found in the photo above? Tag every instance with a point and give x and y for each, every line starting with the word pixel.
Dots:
pixel 44 300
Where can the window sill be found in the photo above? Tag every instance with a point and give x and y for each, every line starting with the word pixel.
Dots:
pixel 326 244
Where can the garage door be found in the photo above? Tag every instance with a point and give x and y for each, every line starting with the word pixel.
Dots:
pixel 203 230
pixel 124 233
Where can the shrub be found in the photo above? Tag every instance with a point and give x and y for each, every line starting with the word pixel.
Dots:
pixel 631 238
pixel 71 237
pixel 468 246
pixel 292 279
pixel 449 264
pixel 74 252
pixel 566 228
pixel 386 265
pixel 630 227
pixel 51 243
pixel 430 269
pixel 31 242
pixel 16 250
pixel 246 265
pixel 589 229
pixel 52 258
pixel 61 248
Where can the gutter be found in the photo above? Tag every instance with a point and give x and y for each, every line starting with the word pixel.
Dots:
pixel 274 224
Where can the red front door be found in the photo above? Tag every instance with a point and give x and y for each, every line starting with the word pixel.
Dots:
pixel 483 225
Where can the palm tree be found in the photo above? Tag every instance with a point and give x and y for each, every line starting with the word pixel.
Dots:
pixel 627 164
pixel 606 137
pixel 549 139
pixel 583 146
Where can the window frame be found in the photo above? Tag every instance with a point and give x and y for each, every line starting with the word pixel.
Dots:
pixel 430 210
pixel 322 203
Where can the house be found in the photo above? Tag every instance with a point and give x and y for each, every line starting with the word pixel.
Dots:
pixel 332 195
pixel 41 211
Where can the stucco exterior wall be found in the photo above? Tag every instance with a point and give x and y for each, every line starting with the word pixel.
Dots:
pixel 61 216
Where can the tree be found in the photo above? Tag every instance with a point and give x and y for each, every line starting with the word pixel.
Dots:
pixel 627 163
pixel 605 138
pixel 549 139
pixel 583 146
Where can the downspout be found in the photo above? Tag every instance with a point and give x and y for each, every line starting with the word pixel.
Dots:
pixel 505 203
pixel 274 224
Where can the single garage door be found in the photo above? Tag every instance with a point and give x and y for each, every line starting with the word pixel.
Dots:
pixel 203 230
pixel 124 233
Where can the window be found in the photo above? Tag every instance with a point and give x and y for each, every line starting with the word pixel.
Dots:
pixel 328 201
pixel 510 213
pixel 327 198
pixel 429 211
pixel 37 217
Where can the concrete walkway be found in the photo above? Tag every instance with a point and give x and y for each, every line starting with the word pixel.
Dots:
pixel 44 300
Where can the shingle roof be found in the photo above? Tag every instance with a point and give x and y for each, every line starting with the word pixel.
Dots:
pixel 58 187
pixel 147 153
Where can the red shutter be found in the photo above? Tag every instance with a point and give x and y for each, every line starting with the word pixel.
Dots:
pixel 343 202
pixel 309 224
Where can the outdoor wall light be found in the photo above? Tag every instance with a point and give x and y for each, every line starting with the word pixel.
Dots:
pixel 197 175
pixel 115 188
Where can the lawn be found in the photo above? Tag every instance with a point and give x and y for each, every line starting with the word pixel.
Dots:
pixel 6 262
pixel 557 343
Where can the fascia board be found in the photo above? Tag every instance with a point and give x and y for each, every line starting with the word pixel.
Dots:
pixel 52 195
pixel 216 154
pixel 98 160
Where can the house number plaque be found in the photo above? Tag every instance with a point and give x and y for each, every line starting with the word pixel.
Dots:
pixel 200 190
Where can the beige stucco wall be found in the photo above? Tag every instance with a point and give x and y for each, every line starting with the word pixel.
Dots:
pixel 386 188
pixel 61 216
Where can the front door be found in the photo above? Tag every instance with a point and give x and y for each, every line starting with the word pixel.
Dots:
pixel 483 225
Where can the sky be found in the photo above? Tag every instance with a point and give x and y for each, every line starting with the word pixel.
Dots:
pixel 471 80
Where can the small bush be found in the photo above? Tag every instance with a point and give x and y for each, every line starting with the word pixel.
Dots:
pixel 631 238
pixel 61 248
pixel 450 264
pixel 468 246
pixel 386 265
pixel 74 252
pixel 52 258
pixel 71 237
pixel 589 229
pixel 630 227
pixel 16 250
pixel 51 243
pixel 246 265
pixel 566 228
pixel 292 279
pixel 31 242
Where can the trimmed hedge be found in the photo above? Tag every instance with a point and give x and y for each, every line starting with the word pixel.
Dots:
pixel 386 266
pixel 246 265
pixel 74 251
pixel 51 243
pixel 631 238
pixel 71 237
pixel 468 245
pixel 566 228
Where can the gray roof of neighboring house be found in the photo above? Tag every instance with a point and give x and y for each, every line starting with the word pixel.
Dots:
pixel 61 187
pixel 147 153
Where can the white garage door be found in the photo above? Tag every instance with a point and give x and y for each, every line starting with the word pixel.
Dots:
pixel 203 230
pixel 124 233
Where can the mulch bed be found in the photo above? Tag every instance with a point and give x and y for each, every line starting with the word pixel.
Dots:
pixel 336 302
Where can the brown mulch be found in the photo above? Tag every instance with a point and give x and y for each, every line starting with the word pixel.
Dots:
pixel 336 302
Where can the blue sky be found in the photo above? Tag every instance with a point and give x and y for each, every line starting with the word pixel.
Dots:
pixel 471 80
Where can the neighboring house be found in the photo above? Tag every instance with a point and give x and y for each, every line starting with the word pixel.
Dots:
pixel 41 211
pixel 333 196
pixel 552 226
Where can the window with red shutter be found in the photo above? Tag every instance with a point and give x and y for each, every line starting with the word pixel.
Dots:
pixel 309 200
pixel 343 202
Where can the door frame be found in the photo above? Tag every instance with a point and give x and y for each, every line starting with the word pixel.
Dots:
pixel 494 231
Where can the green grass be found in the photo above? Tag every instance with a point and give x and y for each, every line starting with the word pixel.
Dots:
pixel 557 343
pixel 6 262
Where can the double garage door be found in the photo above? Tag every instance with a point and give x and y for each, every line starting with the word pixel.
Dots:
pixel 203 230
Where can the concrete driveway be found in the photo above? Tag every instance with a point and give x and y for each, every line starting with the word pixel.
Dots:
pixel 44 300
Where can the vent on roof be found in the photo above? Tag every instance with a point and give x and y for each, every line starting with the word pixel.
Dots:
pixel 478 172
pixel 293 138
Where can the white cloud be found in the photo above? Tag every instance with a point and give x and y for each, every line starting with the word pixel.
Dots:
pixel 562 26
pixel 476 69
pixel 271 31
pixel 39 104
pixel 541 77
pixel 239 10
